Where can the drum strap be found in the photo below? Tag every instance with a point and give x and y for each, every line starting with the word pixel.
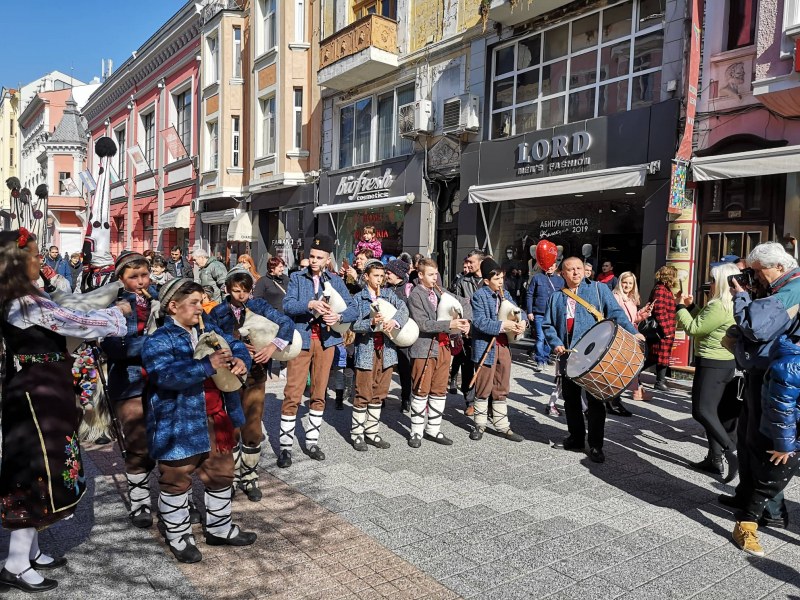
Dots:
pixel 592 310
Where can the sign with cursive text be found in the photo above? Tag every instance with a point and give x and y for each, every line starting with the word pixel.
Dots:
pixel 365 187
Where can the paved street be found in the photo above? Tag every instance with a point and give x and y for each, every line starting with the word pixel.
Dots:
pixel 489 519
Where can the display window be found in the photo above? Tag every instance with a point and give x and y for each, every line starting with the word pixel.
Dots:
pixel 388 224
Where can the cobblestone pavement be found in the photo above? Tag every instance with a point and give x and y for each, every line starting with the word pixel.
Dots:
pixel 488 519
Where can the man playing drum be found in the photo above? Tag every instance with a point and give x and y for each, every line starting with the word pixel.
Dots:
pixel 565 323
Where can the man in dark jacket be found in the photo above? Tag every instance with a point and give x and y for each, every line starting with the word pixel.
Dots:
pixel 543 284
pixel 73 269
pixel 396 280
pixel 464 286
pixel 177 265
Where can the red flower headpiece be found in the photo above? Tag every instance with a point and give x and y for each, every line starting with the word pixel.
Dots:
pixel 24 236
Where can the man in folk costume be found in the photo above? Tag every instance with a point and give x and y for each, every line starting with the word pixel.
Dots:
pixel 229 316
pixel 305 302
pixel 98 264
pixel 375 356
pixel 190 422
pixel 490 347
pixel 430 354
pixel 126 381
pixel 565 323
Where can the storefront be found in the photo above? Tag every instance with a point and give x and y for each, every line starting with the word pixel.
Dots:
pixel 387 196
pixel 597 188
pixel 284 221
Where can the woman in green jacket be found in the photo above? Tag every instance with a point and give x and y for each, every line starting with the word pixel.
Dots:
pixel 714 368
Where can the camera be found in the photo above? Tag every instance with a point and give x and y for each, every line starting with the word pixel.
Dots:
pixel 746 279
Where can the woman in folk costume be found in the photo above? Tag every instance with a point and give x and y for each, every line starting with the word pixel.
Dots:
pixel 229 316
pixel 375 357
pixel 190 421
pixel 41 479
pixel 494 375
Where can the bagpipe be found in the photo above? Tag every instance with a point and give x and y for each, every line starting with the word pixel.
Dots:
pixel 403 337
pixel 208 343
pixel 333 299
pixel 261 332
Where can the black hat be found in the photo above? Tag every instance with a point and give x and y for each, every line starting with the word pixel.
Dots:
pixel 399 268
pixel 487 266
pixel 322 242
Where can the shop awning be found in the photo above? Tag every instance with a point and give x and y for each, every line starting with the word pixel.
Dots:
pixel 218 217
pixel 178 218
pixel 769 161
pixel 240 228
pixel 558 185
pixel 364 204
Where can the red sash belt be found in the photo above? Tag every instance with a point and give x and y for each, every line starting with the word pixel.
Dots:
pixel 502 340
pixel 378 342
pixel 223 426
pixel 444 339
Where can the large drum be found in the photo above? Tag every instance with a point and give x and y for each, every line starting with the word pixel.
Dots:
pixel 605 360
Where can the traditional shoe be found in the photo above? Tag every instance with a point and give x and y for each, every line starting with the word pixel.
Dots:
pixel 359 444
pixel 242 538
pixel 733 465
pixel 378 442
pixel 597 455
pixel 9 579
pixel 439 438
pixel 285 459
pixel 511 436
pixel 570 444
pixel 142 517
pixel 730 501
pixel 316 453
pixel 745 536
pixel 415 441
pixel 469 411
pixel 194 515
pixel 56 563
pixel 190 554
pixel 476 433
pixel 710 464
pixel 251 491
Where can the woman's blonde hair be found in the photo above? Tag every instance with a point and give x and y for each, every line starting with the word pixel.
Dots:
pixel 722 291
pixel 667 275
pixel 634 294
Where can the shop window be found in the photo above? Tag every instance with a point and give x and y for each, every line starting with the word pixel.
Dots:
pixel 218 240
pixel 121 152
pixel 147 230
pixel 388 224
pixel 149 131
pixel 603 62
pixel 212 64
pixel 237 52
pixel 235 141
pixel 741 23
pixel 385 8
pixel 183 121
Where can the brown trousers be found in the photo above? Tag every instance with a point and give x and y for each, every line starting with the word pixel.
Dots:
pixel 214 469
pixel 495 380
pixel 372 386
pixel 130 413
pixel 318 361
pixel 253 407
pixel 434 382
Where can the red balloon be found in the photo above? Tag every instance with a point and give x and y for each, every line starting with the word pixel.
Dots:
pixel 546 254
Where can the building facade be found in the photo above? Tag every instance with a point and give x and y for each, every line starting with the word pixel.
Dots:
pixel 9 147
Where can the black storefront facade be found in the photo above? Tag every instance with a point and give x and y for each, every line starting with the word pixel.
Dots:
pixel 285 223
pixel 597 188
pixel 388 195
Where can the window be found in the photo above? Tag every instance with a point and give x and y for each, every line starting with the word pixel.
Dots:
pixel 119 222
pixel 213 146
pixel 237 52
pixel 121 153
pixel 385 8
pixel 269 33
pixel 597 64
pixel 741 23
pixel 267 126
pixel 147 230
pixel 299 21
pixel 183 112
pixel 212 70
pixel 298 117
pixel 10 157
pixel 62 177
pixel 389 141
pixel 355 129
pixel 11 128
pixel 235 142
pixel 149 129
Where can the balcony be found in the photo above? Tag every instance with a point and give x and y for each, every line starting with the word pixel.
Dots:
pixel 778 88
pixel 364 50
pixel 514 12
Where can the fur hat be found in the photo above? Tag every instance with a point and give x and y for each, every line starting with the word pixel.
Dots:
pixel 322 242
pixel 487 266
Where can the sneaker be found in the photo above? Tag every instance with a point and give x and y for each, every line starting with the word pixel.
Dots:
pixel 597 455
pixel 537 367
pixel 745 536
pixel 359 444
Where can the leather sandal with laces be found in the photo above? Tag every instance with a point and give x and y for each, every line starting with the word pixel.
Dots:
pixel 378 442
pixel 142 517
pixel 241 538
pixel 359 444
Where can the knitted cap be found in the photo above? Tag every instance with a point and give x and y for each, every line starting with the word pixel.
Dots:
pixel 373 262
pixel 126 258
pixel 399 268
pixel 169 289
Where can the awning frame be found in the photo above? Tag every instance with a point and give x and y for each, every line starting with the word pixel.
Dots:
pixel 753 163
pixel 364 204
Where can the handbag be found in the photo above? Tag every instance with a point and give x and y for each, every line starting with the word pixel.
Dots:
pixel 651 330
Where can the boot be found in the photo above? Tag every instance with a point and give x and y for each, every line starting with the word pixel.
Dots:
pixel 745 536
pixel 661 379
pixel 615 407
pixel 339 399
pixel 710 464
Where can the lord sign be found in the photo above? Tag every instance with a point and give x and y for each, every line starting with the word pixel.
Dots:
pixel 554 154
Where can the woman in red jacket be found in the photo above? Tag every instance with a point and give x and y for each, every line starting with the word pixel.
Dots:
pixel 662 300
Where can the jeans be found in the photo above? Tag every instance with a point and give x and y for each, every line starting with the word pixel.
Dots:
pixel 542 347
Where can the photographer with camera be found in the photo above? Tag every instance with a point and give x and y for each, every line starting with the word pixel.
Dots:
pixel 760 323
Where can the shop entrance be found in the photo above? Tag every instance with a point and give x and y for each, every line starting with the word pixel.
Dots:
pixel 722 239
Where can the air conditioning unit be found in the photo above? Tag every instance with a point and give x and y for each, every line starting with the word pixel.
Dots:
pixel 415 118
pixel 461 113
pixel 197 206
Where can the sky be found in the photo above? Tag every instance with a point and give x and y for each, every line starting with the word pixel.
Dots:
pixel 72 37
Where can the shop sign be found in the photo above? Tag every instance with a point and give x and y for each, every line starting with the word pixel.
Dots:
pixel 554 154
pixel 365 187
pixel 554 227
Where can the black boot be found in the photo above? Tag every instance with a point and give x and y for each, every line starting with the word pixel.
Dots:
pixel 615 407
pixel 405 405
pixel 339 399
pixel 661 379
pixel 710 464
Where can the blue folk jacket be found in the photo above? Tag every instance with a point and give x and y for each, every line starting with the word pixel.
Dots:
pixel 362 326
pixel 222 316
pixel 485 324
pixel 596 294
pixel 300 291
pixel 779 397
pixel 541 287
pixel 177 426
pixel 125 377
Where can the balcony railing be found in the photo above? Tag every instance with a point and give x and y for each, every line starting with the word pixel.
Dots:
pixel 370 32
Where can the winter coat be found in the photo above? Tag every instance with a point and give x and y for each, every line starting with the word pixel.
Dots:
pixel 707 326
pixel 213 274
pixel 362 327
pixel 177 425
pixel 541 287
pixel 222 316
pixel 664 313
pixel 779 397
pixel 485 323
pixel 272 289
pixel 300 292
pixel 186 268
pixel 125 377
pixel 464 285
pixel 374 245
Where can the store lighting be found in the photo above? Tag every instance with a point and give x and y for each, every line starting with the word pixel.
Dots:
pixel 630 193
pixel 579 195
